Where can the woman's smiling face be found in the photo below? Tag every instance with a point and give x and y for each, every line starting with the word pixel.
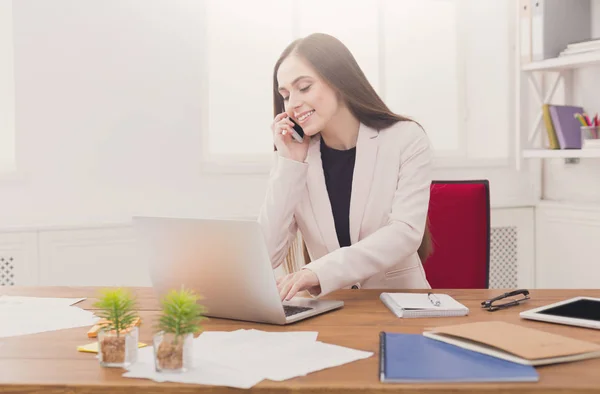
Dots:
pixel 307 98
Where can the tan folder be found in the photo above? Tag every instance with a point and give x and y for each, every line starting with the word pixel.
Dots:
pixel 515 343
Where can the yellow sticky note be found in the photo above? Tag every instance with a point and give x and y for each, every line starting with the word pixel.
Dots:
pixel 93 347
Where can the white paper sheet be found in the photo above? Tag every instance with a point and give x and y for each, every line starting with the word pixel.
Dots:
pixel 30 315
pixel 203 372
pixel 312 358
pixel 244 358
pixel 37 301
pixel 249 342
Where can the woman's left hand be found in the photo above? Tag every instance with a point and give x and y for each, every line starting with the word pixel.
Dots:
pixel 293 283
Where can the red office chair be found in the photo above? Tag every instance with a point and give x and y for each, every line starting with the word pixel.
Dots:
pixel 459 222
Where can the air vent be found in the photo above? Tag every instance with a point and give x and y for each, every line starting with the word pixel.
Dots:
pixel 7 271
pixel 503 258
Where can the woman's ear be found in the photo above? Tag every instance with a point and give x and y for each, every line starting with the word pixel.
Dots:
pixel 340 99
pixel 338 96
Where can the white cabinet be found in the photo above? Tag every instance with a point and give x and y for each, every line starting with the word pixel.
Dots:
pixel 85 256
pixel 568 237
pixel 91 257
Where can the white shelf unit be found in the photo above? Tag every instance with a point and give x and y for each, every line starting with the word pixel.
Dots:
pixel 565 62
pixel 559 69
pixel 542 153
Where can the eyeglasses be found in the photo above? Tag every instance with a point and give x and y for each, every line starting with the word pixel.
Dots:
pixel 488 304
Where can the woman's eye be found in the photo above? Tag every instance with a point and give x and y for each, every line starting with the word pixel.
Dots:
pixel 305 89
pixel 286 98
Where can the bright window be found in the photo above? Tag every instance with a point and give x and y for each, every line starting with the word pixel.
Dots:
pixel 421 66
pixel 444 63
pixel 244 42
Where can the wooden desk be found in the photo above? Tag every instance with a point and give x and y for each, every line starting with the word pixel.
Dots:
pixel 49 362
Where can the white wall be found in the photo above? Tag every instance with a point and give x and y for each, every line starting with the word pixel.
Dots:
pixel 107 112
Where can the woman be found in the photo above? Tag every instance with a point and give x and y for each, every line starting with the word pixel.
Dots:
pixel 357 187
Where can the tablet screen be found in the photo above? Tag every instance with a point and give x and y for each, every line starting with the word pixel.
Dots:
pixel 580 309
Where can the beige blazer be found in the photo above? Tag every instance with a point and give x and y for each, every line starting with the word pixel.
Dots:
pixel 388 210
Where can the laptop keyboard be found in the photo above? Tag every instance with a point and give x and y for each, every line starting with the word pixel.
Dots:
pixel 292 310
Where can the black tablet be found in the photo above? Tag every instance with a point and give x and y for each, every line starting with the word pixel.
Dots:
pixel 577 311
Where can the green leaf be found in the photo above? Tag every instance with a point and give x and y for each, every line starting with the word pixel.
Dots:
pixel 118 307
pixel 181 313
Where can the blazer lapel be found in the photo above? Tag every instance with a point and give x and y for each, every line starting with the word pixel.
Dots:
pixel 319 197
pixel 364 167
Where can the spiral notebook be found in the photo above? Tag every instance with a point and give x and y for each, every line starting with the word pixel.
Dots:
pixel 413 358
pixel 423 305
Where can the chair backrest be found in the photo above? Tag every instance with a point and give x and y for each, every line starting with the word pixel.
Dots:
pixel 459 221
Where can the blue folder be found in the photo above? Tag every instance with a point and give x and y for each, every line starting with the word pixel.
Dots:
pixel 413 358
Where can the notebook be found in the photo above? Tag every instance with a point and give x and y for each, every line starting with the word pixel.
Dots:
pixel 515 343
pixel 423 305
pixel 413 358
pixel 566 126
pixel 552 139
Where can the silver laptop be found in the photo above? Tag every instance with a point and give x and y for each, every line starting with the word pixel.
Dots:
pixel 225 262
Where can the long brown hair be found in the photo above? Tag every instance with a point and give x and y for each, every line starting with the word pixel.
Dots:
pixel 336 65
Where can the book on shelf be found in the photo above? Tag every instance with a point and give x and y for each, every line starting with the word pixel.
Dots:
pixel 566 125
pixel 551 133
pixel 562 127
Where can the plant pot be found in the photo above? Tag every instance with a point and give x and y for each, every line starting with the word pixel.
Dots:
pixel 117 351
pixel 173 353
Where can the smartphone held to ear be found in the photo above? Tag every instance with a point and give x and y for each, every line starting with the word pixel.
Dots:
pixel 298 133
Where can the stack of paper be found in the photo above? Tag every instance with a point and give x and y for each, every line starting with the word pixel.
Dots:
pixel 576 48
pixel 30 315
pixel 244 358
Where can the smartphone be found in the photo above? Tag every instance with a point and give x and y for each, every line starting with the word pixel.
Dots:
pixel 298 133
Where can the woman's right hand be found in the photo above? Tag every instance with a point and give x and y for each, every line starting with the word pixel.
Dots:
pixel 286 145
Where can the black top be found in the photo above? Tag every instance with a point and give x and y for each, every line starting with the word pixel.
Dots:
pixel 338 168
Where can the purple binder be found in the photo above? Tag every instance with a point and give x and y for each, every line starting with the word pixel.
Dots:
pixel 566 126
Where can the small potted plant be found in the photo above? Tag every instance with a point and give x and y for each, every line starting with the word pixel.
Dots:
pixel 179 321
pixel 117 337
